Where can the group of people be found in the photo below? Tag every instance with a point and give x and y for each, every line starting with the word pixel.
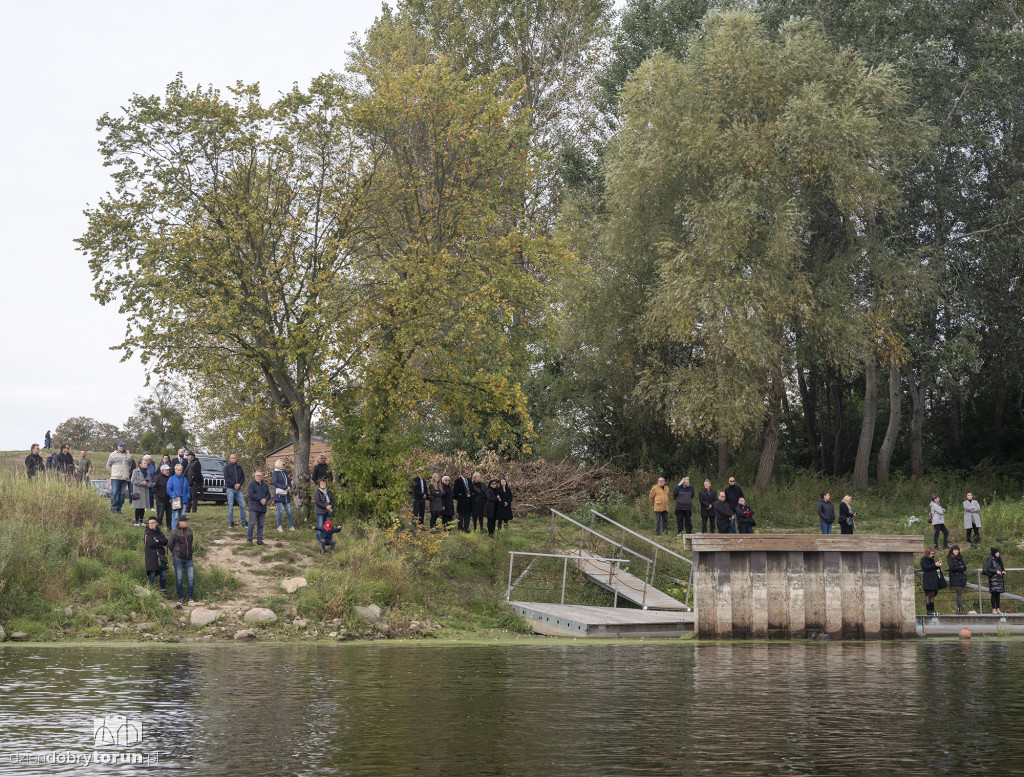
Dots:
pixel 972 520
pixel 62 464
pixel 172 487
pixel 934 580
pixel 180 544
pixel 465 498
pixel 726 511
pixel 827 514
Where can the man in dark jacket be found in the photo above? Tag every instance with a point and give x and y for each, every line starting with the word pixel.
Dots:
pixel 34 463
pixel 733 494
pixel 194 475
pixel 160 498
pixel 707 507
pixel 234 479
pixel 64 462
pixel 684 506
pixel 181 459
pixel 322 471
pixel 418 490
pixel 259 498
pixel 463 493
pixel 180 544
pixel 725 517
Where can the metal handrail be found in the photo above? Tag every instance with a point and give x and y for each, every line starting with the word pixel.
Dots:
pixel 982 589
pixel 565 569
pixel 609 540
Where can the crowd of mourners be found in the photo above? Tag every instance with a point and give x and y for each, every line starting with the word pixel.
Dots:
pixel 726 511
pixel 465 498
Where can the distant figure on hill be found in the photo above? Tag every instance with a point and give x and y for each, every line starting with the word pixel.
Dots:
pixel 84 465
pixel 972 518
pixel 659 501
pixel 178 494
pixel 34 463
pixel 46 439
pixel 322 470
pixel 707 508
pixel 826 513
pixel 64 463
pixel 120 465
pixel 733 493
pixel 683 495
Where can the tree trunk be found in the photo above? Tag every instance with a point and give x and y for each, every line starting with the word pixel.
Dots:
pixel 766 466
pixel 893 429
pixel 809 401
pixel 867 425
pixel 916 391
pixel 302 438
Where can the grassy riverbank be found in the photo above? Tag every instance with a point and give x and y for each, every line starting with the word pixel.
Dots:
pixel 69 570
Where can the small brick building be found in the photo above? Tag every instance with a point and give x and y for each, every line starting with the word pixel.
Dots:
pixel 317 446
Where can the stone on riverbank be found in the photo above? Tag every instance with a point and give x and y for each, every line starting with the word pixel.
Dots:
pixel 18 636
pixel 245 635
pixel 293 584
pixel 201 616
pixel 260 615
pixel 370 614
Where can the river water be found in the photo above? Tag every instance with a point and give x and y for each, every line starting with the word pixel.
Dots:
pixel 910 708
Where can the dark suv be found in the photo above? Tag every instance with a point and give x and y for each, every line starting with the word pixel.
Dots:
pixel 213 479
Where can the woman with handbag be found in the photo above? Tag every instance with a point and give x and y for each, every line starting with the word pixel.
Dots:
pixel 155 543
pixel 141 482
pixel 957 576
pixel 995 571
pixel 178 492
pixel 846 515
pixel 932 570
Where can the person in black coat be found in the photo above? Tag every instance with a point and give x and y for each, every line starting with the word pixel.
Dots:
pixel 418 491
pixel 733 493
pixel 995 571
pixel 435 494
pixel 34 463
pixel 479 500
pixel 724 515
pixel 706 497
pixel 447 502
pixel 846 515
pixel 957 567
pixel 931 568
pixel 154 544
pixel 745 517
pixel 258 497
pixel 491 506
pixel 462 490
pixel 160 498
pixel 826 513
pixel 194 475
pixel 684 506
pixel 503 511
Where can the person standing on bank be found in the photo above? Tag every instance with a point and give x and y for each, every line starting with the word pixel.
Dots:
pixel 234 479
pixel 194 476
pixel 282 494
pixel 996 586
pixel 418 490
pixel 140 490
pixel 732 494
pixel 448 511
pixel 120 465
pixel 155 543
pixel 707 508
pixel 65 463
pixel 724 516
pixel 491 507
pixel 181 543
pixel 479 499
pixel 323 503
pixel 178 493
pixel 259 498
pixel 745 517
pixel 846 515
pixel 659 501
pixel 972 518
pixel 322 470
pixel 46 439
pixel 84 469
pixel 930 567
pixel 957 576
pixel 435 493
pixel 503 511
pixel 34 463
pixel 826 513
pixel 937 518
pixel 160 498
pixel 463 493
pixel 684 506
pixel 181 459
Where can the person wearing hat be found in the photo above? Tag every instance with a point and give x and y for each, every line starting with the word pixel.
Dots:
pixel 120 465
pixel 160 498
pixel 181 543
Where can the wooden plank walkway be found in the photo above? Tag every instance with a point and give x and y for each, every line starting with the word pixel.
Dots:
pixel 570 620
pixel 628 586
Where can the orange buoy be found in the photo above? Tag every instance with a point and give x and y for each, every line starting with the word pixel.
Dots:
pixel 965 633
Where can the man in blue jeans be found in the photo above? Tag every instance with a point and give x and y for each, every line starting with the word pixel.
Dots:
pixel 234 479
pixel 120 465
pixel 180 545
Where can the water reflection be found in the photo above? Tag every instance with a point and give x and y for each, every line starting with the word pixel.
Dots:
pixel 538 709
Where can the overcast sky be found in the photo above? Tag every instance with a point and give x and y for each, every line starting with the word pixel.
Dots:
pixel 64 64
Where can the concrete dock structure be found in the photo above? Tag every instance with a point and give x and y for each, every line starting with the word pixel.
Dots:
pixel 791 586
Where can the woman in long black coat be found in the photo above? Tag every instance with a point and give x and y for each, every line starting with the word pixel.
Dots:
pixel 478 490
pixel 725 520
pixel 435 495
pixel 995 571
pixel 491 506
pixel 846 515
pixel 447 501
pixel 503 510
pixel 154 543
pixel 930 567
pixel 957 576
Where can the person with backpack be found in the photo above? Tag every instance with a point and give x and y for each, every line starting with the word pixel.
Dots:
pixel 683 496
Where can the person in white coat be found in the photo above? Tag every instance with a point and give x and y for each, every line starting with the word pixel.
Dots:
pixel 972 518
pixel 937 518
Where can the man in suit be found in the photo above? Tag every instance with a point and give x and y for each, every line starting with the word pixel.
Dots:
pixel 418 490
pixel 180 459
pixel 463 493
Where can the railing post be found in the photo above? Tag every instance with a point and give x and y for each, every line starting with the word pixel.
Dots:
pixel 615 601
pixel 511 561
pixel 552 525
pixel 689 587
pixel 565 569
pixel 654 571
pixel 643 599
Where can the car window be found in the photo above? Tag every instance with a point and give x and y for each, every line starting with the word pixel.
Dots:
pixel 213 464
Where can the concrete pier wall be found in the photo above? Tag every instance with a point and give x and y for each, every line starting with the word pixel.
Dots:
pixel 789 586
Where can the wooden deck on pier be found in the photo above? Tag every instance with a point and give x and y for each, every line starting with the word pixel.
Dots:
pixel 571 620
pixel 626 585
